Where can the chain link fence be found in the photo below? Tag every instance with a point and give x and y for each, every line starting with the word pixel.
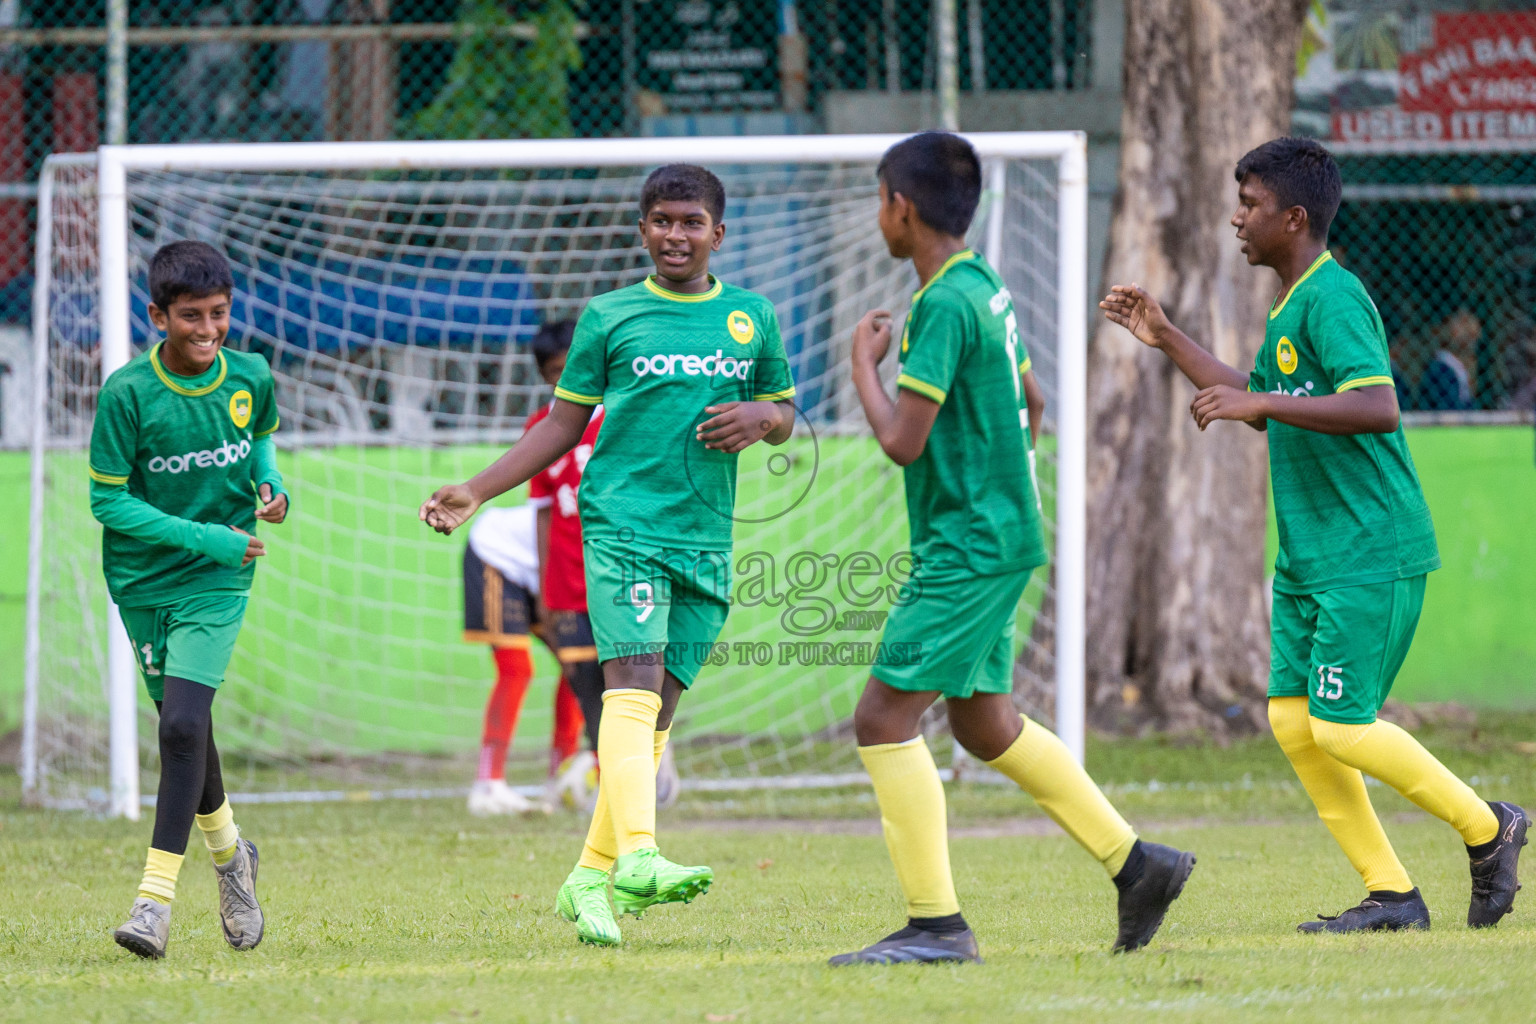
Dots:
pixel 1442 228
pixel 1432 108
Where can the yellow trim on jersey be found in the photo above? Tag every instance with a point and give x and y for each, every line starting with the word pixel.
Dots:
pixel 960 257
pixel 1026 365
pixel 270 430
pixel 922 387
pixel 775 396
pixel 106 478
pixel 667 293
pixel 1364 382
pixel 165 377
pixel 1274 310
pixel 571 396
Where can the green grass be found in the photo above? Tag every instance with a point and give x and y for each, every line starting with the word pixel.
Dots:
pixel 413 911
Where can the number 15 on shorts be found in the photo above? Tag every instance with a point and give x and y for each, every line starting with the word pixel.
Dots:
pixel 1330 682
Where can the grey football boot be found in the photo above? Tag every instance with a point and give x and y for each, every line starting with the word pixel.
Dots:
pixel 239 912
pixel 147 929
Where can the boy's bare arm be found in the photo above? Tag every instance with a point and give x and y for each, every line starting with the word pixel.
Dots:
pixel 902 427
pixel 1371 410
pixel 452 505
pixel 1034 400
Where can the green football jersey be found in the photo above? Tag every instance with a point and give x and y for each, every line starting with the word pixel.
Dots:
pixel 1349 507
pixel 655 359
pixel 182 445
pixel 972 502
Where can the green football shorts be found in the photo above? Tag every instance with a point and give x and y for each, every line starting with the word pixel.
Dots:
pixel 191 639
pixel 1341 648
pixel 954 636
pixel 645 599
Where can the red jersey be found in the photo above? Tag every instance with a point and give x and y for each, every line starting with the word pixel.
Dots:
pixel 565 580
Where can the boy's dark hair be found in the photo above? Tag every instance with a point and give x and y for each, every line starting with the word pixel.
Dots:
pixel 1300 172
pixel 676 182
pixel 939 174
pixel 188 270
pixel 551 339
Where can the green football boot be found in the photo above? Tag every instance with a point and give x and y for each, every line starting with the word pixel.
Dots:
pixel 645 878
pixel 583 900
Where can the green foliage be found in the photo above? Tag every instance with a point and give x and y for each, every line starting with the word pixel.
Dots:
pixel 1368 42
pixel 1313 41
pixel 501 87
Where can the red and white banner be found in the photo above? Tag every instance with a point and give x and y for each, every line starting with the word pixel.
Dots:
pixel 1479 62
pixel 1475 83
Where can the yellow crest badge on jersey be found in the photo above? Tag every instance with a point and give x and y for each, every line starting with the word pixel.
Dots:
pixel 741 327
pixel 1285 355
pixel 240 408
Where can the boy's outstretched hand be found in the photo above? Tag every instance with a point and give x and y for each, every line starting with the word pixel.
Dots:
pixel 274 509
pixel 1133 307
pixel 872 337
pixel 449 508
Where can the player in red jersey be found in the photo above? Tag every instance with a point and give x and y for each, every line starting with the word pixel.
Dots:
pixel 563 582
pixel 564 586
pixel 505 581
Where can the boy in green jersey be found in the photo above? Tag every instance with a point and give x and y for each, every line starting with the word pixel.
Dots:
pixel 1356 539
pixel 963 423
pixel 182 439
pixel 690 371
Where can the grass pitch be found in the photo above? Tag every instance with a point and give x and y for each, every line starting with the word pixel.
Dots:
pixel 414 911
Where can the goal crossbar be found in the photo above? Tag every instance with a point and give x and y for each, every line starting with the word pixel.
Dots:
pixel 1068 150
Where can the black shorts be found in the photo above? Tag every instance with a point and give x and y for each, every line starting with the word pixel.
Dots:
pixel 570 634
pixel 496 610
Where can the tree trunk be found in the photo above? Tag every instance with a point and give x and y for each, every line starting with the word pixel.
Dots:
pixel 1177 617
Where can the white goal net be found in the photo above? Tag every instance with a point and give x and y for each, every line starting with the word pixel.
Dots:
pixel 393 289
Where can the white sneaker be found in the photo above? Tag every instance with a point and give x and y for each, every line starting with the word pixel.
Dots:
pixel 576 785
pixel 668 783
pixel 494 796
pixel 147 929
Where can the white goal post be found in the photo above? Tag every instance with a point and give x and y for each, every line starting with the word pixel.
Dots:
pixel 116 168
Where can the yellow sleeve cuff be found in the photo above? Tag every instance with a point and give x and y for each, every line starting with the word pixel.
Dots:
pixel 270 430
pixel 1025 366
pixel 571 396
pixel 922 387
pixel 775 396
pixel 110 479
pixel 1364 382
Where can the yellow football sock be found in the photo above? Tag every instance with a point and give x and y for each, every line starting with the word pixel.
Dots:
pixel 160 871
pixel 1045 769
pixel 1396 758
pixel 601 849
pixel 625 739
pixel 1338 793
pixel 912 815
pixel 220 833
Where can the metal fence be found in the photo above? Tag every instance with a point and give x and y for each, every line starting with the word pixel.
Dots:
pixel 1442 229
